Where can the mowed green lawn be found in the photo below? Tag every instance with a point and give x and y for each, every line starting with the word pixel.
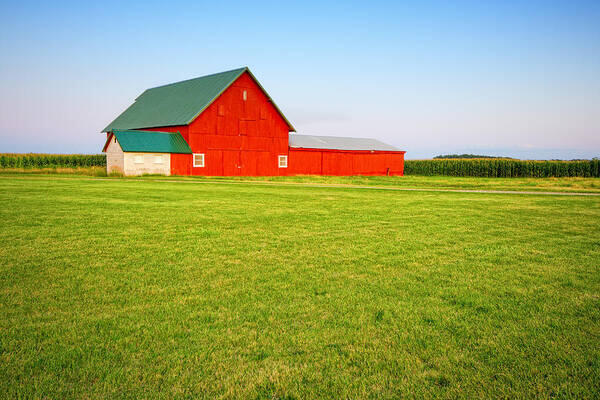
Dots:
pixel 113 288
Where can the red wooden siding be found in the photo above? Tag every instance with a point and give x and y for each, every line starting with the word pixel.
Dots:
pixel 345 162
pixel 240 137
pixel 181 164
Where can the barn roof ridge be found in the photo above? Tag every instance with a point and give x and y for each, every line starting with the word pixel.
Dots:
pixel 240 70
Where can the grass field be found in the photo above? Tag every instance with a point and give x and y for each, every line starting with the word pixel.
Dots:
pixel 591 185
pixel 140 288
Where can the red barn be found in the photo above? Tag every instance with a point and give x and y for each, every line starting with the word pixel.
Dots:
pixel 226 124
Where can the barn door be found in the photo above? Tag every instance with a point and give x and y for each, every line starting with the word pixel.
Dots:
pixel 232 165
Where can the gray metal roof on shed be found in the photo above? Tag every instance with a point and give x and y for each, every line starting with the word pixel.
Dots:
pixel 338 143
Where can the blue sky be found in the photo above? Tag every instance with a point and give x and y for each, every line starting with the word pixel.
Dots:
pixel 507 78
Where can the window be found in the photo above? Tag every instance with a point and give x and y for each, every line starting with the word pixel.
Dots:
pixel 245 95
pixel 221 111
pixel 198 160
pixel 115 139
pixel 158 159
pixel 139 159
pixel 283 161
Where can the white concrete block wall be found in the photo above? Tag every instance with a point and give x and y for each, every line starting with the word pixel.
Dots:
pixel 114 157
pixel 136 163
pixel 147 163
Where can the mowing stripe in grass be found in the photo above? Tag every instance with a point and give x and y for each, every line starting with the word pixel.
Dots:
pixel 321 185
pixel 316 185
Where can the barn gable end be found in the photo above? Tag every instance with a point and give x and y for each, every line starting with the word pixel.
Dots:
pixel 241 133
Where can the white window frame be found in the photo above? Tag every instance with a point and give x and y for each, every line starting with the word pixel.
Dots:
pixel 200 164
pixel 138 159
pixel 158 159
pixel 284 159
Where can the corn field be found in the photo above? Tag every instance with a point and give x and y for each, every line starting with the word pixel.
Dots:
pixel 503 168
pixel 8 160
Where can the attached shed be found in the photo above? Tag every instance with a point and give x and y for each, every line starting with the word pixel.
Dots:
pixel 333 155
pixel 133 152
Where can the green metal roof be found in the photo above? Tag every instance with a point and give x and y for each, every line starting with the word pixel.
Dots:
pixel 178 103
pixel 151 142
